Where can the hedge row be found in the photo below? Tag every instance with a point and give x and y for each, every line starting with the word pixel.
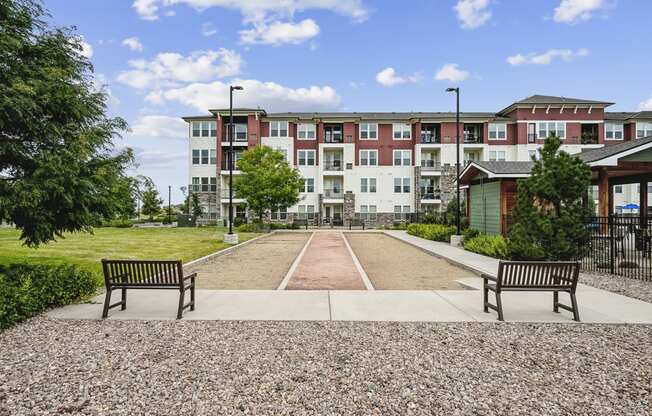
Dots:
pixel 27 290
pixel 489 245
pixel 435 232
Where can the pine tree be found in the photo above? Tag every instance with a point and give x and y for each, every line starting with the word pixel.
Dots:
pixel 551 210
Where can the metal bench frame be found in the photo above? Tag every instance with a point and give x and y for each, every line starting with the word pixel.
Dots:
pixel 146 274
pixel 540 276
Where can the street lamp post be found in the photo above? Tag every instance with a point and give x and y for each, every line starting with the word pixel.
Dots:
pixel 457 141
pixel 231 238
pixel 170 204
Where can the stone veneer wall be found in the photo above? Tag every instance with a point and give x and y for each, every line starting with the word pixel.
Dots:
pixel 417 189
pixel 349 206
pixel 447 184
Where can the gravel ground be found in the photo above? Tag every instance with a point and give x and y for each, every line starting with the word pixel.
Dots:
pixel 633 288
pixel 210 367
pixel 258 265
pixel 394 265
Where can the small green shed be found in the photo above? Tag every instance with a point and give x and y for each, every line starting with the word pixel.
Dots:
pixel 491 193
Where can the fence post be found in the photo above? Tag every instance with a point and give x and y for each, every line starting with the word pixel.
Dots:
pixel 612 245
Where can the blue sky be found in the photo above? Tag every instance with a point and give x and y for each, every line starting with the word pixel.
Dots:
pixel 163 59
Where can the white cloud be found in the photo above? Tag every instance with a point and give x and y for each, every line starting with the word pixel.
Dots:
pixel 278 33
pixel 547 57
pixel 160 126
pixel 133 43
pixel 388 78
pixel 87 49
pixel 168 69
pixel 573 11
pixel 645 105
pixel 156 158
pixel 473 13
pixel 258 10
pixel 101 85
pixel 451 72
pixel 268 95
pixel 207 29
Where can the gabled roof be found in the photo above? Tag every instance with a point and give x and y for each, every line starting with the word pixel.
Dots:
pixel 621 149
pixel 553 100
pixel 639 115
pixel 496 169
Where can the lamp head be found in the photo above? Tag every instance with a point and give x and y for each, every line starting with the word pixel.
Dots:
pixel 451 89
pixel 236 87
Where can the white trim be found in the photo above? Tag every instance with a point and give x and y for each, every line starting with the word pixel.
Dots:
pixel 622 131
pixel 492 175
pixel 314 156
pixel 279 128
pixel 489 131
pixel 358 266
pixel 367 130
pixel 613 159
pixel 403 125
pixel 299 125
pixel 409 151
pixel 295 264
pixel 360 157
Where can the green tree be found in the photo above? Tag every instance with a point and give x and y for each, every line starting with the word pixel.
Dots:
pixel 151 200
pixel 197 210
pixel 551 210
pixel 267 182
pixel 58 164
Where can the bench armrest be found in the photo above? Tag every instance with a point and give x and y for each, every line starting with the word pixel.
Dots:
pixel 489 277
pixel 190 276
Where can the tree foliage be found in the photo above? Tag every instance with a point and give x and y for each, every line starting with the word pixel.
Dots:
pixel 267 182
pixel 59 171
pixel 151 200
pixel 197 210
pixel 551 210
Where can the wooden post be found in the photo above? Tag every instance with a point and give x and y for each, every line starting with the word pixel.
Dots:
pixel 604 200
pixel 642 206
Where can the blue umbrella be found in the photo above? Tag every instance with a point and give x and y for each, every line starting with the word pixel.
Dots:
pixel 630 206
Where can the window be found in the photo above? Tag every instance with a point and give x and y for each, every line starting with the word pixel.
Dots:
pixel 368 157
pixel 306 158
pixel 643 130
pixel 618 189
pixel 203 128
pixel 306 131
pixel 213 157
pixel 194 186
pixel 402 185
pixel 368 185
pixel 401 212
pixel 239 132
pixel 308 185
pixel 402 157
pixel 278 129
pixel 195 156
pixel 552 127
pixel 367 212
pixel 368 131
pixel 498 131
pixel 204 157
pixel 306 212
pixel 497 155
pixel 613 131
pixel 280 214
pixel 402 131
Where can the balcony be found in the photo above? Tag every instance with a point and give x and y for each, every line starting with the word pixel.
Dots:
pixel 225 165
pixel 430 194
pixel 239 133
pixel 471 138
pixel 334 193
pixel 224 194
pixel 333 133
pixel 333 165
pixel 430 133
pixel 430 165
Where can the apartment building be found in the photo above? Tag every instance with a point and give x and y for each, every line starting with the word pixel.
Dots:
pixel 384 166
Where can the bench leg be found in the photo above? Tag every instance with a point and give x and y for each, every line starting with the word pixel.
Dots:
pixel 499 305
pixel 576 312
pixel 180 310
pixel 124 299
pixel 107 301
pixel 555 301
pixel 485 298
pixel 192 294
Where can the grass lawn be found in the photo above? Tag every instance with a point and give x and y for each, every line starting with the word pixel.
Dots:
pixel 86 250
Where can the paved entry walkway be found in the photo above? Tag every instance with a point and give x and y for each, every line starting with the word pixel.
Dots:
pixel 327 263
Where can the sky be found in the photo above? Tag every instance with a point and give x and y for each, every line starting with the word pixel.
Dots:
pixel 160 60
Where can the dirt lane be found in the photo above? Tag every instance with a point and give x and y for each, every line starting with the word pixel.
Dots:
pixel 258 265
pixel 394 265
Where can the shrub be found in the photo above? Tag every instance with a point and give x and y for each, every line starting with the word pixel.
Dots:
pixel 470 233
pixel 238 221
pixel 435 232
pixel 118 223
pixel 249 228
pixel 489 245
pixel 26 290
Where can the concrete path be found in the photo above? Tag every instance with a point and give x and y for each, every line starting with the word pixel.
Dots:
pixel 327 263
pixel 596 306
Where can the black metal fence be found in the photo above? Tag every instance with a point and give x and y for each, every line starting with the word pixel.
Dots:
pixel 620 246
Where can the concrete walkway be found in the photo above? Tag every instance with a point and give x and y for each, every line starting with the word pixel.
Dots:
pixel 595 305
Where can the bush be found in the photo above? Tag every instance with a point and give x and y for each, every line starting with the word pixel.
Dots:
pixel 118 223
pixel 249 228
pixel 489 245
pixel 435 232
pixel 26 290
pixel 470 233
pixel 238 221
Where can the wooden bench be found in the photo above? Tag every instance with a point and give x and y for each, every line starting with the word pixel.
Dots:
pixel 146 274
pixel 540 276
pixel 356 222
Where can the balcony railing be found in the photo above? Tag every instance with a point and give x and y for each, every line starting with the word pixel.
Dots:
pixel 428 164
pixel 225 165
pixel 589 138
pixel 430 194
pixel 333 138
pixel 237 137
pixel 333 193
pixel 472 137
pixel 224 193
pixel 427 138
pixel 333 165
